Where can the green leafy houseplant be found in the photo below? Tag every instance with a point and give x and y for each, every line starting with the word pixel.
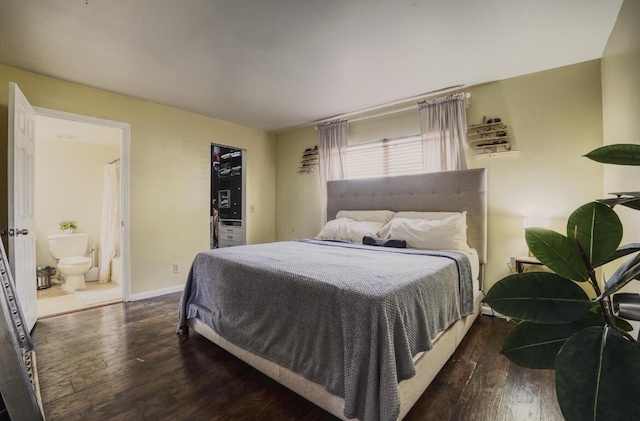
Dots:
pixel 558 326
pixel 68 225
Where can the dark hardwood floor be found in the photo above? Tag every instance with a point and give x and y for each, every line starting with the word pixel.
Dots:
pixel 125 362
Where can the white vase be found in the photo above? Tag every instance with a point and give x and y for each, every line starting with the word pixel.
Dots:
pixel 68 231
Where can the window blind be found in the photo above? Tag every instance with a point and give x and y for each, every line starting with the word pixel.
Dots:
pixel 385 157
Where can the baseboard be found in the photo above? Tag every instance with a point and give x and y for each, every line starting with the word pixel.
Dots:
pixel 155 293
pixel 488 311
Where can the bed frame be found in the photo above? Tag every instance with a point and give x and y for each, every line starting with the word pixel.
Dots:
pixel 464 190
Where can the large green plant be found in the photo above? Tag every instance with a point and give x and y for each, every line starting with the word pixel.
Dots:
pixel 597 361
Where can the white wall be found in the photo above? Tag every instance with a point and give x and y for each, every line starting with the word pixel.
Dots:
pixel 68 183
pixel 621 111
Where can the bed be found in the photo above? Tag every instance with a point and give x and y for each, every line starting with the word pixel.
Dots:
pixel 358 343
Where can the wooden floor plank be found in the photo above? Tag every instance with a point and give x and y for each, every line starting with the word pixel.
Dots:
pixel 125 362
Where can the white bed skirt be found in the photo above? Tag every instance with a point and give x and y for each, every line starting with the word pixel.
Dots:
pixel 428 364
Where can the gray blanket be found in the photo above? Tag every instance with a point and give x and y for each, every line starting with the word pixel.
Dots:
pixel 348 317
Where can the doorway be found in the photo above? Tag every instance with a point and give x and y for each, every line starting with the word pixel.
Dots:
pixel 81 171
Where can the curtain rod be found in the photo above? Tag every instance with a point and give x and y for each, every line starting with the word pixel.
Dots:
pixel 387 104
pixel 400 110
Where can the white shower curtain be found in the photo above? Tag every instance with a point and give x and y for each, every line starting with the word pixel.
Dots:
pixel 110 228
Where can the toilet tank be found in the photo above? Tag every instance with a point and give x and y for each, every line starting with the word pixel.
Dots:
pixel 68 245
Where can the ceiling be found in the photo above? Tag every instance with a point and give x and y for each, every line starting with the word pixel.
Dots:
pixel 278 64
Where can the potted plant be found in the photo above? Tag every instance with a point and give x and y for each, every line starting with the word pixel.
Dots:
pixel 67 227
pixel 559 326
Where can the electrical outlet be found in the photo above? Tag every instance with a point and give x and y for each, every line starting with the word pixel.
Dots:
pixel 176 268
pixel 252 208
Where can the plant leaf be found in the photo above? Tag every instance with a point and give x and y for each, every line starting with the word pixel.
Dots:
pixel 556 252
pixel 619 154
pixel 633 204
pixel 630 202
pixel 623 251
pixel 629 199
pixel 597 374
pixel 623 324
pixel 622 276
pixel 538 297
pixel 535 345
pixel 595 312
pixel 599 231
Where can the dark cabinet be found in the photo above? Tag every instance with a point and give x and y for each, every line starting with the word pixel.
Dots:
pixel 227 196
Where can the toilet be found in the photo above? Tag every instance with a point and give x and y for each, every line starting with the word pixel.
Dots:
pixel 69 250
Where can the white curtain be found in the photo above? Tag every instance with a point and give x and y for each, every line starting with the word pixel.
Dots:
pixel 110 228
pixel 443 125
pixel 332 157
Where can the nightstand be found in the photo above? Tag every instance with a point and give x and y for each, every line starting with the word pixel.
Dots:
pixel 525 260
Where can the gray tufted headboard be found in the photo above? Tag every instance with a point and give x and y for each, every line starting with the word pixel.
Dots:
pixel 463 190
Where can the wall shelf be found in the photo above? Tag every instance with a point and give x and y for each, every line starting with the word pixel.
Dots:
pixel 309 160
pixel 489 138
pixel 494 154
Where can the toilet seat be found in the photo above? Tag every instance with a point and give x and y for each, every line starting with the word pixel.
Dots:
pixel 74 261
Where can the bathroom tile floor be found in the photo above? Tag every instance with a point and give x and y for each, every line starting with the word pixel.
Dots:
pixel 55 300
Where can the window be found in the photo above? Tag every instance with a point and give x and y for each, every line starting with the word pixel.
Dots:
pixel 385 157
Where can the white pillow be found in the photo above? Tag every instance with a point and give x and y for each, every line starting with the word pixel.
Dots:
pixel 346 229
pixel 426 215
pixel 435 234
pixel 383 216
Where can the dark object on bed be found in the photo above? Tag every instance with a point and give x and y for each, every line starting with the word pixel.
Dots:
pixel 375 241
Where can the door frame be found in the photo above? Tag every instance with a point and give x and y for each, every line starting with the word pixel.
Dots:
pixel 125 142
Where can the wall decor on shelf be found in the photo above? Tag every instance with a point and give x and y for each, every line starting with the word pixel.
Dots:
pixel 309 161
pixel 490 137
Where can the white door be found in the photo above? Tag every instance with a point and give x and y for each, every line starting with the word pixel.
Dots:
pixel 22 240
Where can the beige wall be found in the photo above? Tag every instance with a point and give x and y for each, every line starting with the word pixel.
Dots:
pixel 68 183
pixel 555 118
pixel 621 111
pixel 170 167
pixel 298 194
